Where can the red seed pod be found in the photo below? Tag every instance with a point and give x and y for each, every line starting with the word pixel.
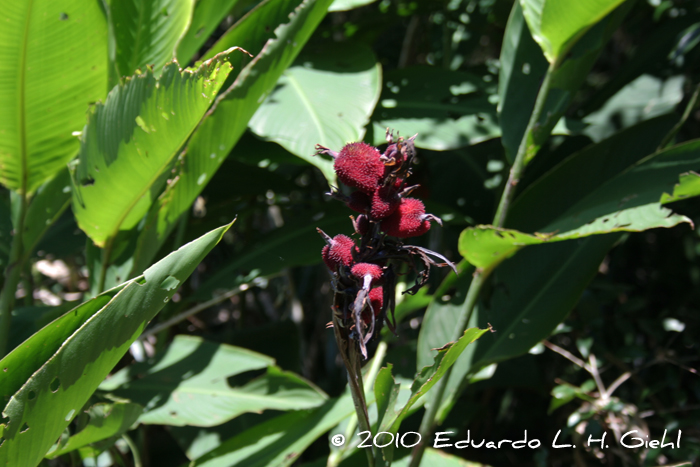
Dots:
pixel 361 224
pixel 409 220
pixel 385 201
pixel 363 270
pixel 359 201
pixel 358 165
pixel 339 252
pixel 376 301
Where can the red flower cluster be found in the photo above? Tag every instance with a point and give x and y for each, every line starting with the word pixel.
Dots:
pixel 363 276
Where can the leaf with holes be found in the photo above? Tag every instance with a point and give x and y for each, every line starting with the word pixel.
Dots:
pixel 42 99
pixel 175 394
pixel 63 370
pixel 293 21
pixel 207 16
pixel 147 32
pixel 132 138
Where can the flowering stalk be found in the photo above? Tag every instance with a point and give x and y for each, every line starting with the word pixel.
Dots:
pixel 364 274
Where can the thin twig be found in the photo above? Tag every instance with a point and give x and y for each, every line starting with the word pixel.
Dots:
pixel 565 353
pixel 593 370
pixel 616 384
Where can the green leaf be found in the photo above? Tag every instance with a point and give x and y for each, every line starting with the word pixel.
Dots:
pixel 485 246
pixel 345 5
pixel 429 375
pixel 448 109
pixel 147 32
pixel 540 204
pixel 326 98
pixel 583 172
pixel 247 33
pixel 565 78
pixel 208 14
pixel 565 393
pixel 522 67
pixel 106 421
pixel 54 373
pixel 630 201
pixel 279 441
pixel 535 303
pixel 223 127
pixel 655 48
pixel 53 61
pixel 539 300
pixel 173 394
pixel 294 244
pixel 557 24
pixel 132 138
pixel 642 99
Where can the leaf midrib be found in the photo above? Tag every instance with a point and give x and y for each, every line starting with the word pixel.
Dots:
pixel 225 393
pixel 310 108
pixel 22 101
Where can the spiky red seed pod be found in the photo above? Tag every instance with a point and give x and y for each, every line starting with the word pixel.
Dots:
pixel 408 220
pixel 385 201
pixel 376 301
pixel 359 202
pixel 358 165
pixel 361 270
pixel 339 252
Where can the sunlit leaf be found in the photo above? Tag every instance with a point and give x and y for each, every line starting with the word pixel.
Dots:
pixel 173 394
pixel 147 32
pixel 132 138
pixel 53 64
pixel 326 98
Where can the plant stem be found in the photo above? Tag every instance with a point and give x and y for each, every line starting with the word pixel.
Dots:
pixel 525 149
pixel 134 450
pixel 337 456
pixel 13 274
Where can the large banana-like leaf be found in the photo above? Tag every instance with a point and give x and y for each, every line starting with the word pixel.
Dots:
pixel 133 137
pixel 53 63
pixel 223 127
pixel 52 374
pixel 173 394
pixel 207 16
pixel 147 32
pixel 556 24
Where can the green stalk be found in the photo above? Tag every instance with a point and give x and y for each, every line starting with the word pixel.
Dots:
pixel 13 274
pixel 524 150
pixel 337 456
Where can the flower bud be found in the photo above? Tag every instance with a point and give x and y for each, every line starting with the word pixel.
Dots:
pixel 338 252
pixel 358 165
pixel 409 220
